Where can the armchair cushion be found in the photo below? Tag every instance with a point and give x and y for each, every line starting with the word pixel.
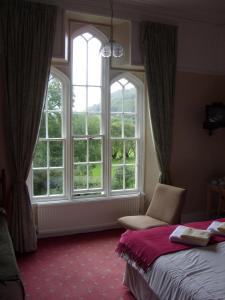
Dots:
pixel 140 222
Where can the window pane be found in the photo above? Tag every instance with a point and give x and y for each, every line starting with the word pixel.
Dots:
pixel 95 175
pixel 79 124
pixel 117 178
pixel 87 36
pixel 130 96
pixel 116 97
pixel 54 96
pixel 79 99
pixel 129 126
pixel 95 150
pixel 80 177
pixel 94 124
pixel 116 126
pixel 117 152
pixel 54 125
pixel 94 99
pixel 94 62
pixel 130 151
pixel 56 182
pixel 40 158
pixel 56 153
pixel 79 67
pixel 129 177
pixel 42 130
pixel 80 151
pixel 123 81
pixel 39 182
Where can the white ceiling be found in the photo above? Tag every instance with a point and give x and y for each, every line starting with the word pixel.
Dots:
pixel 209 11
pixel 212 11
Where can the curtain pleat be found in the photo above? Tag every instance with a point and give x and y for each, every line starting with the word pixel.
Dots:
pixel 27 33
pixel 158 42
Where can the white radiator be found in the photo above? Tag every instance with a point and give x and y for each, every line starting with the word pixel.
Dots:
pixel 71 217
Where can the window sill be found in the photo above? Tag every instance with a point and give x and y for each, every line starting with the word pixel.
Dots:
pixel 85 200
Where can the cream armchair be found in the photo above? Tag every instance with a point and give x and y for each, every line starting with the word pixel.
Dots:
pixel 165 208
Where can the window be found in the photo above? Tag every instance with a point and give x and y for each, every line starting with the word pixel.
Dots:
pixel 49 159
pixel 124 135
pixel 87 129
pixel 89 145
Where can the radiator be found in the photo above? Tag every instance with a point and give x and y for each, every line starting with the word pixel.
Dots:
pixel 73 217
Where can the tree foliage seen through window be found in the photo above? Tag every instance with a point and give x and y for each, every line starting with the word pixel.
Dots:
pixel 49 156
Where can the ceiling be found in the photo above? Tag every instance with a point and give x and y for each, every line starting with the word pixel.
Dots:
pixel 211 11
pixel 208 11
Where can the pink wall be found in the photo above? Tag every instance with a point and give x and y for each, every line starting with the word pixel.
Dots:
pixel 196 156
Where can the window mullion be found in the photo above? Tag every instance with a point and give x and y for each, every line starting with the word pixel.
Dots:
pixel 106 128
pixel 48 168
pixel 46 123
pixel 124 163
pixel 87 166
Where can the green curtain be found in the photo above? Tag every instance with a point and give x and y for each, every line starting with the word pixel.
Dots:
pixel 27 33
pixel 158 42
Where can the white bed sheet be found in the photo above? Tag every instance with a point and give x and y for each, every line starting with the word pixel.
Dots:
pixel 195 274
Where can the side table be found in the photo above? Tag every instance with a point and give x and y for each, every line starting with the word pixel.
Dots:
pixel 219 190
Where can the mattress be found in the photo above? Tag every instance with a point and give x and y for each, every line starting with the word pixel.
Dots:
pixel 194 274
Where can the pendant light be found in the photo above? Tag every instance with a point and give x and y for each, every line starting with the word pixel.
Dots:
pixel 111 48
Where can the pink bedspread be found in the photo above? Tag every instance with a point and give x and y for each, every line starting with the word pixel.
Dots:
pixel 145 246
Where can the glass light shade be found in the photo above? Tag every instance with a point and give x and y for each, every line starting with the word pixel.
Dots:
pixel 117 50
pixel 111 49
pixel 105 50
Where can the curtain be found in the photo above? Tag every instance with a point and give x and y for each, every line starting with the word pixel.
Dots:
pixel 26 39
pixel 158 42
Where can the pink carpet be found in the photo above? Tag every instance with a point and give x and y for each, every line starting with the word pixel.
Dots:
pixel 78 267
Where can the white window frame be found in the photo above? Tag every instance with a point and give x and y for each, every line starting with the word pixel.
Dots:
pixel 139 131
pixel 105 95
pixel 67 134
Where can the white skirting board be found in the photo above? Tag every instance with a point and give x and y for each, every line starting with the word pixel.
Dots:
pixel 60 218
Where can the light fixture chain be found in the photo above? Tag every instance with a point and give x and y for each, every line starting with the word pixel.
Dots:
pixel 111 21
pixel 111 48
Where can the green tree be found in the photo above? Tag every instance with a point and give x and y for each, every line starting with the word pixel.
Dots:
pixel 54 94
pixel 117 178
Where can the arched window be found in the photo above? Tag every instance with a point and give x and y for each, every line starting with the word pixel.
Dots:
pixel 125 132
pixel 88 91
pixel 48 170
pixel 89 143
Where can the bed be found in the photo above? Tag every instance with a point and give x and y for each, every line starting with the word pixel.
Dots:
pixel 11 287
pixel 195 273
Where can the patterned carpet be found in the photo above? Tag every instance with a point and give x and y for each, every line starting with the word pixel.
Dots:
pixel 78 267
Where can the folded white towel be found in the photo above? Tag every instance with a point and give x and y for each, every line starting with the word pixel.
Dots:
pixel 221 228
pixel 192 236
pixel 217 227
